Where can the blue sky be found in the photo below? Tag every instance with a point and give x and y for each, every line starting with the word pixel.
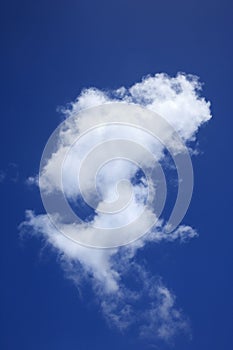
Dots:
pixel 50 52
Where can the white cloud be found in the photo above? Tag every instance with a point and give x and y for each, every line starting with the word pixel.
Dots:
pixel 177 100
pixel 149 305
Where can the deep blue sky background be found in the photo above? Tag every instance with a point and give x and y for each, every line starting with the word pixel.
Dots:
pixel 50 50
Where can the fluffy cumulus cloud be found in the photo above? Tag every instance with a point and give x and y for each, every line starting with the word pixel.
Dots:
pixel 147 303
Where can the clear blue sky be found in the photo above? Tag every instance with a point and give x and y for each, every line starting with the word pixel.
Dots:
pixel 50 50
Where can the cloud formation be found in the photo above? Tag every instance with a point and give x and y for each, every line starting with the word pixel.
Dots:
pixel 10 173
pixel 178 100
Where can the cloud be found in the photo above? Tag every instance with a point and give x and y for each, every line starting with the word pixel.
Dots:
pixel 10 173
pixel 148 305
pixel 175 98
pixel 2 175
